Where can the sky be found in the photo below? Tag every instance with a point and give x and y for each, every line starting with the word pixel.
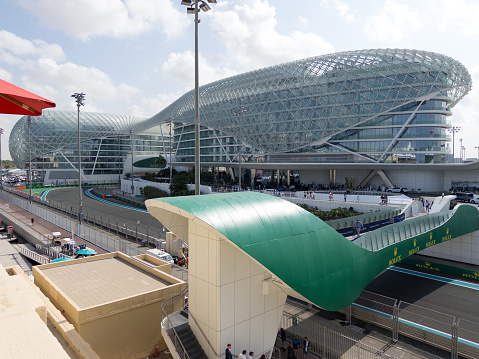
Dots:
pixel 135 57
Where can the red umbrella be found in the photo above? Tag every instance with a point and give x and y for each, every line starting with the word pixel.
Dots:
pixel 17 101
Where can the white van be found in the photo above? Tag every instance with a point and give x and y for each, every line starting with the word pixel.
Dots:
pixel 161 254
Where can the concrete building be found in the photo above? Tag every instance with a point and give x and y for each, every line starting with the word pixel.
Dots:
pixel 113 301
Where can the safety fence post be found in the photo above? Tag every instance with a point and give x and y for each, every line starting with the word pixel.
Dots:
pixel 395 322
pixel 454 337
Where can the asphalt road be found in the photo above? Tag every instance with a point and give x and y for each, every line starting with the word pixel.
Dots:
pixel 442 297
pixel 446 298
pixel 70 195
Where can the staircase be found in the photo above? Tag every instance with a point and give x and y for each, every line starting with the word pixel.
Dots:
pixel 189 342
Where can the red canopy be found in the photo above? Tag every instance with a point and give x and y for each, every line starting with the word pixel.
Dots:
pixel 17 101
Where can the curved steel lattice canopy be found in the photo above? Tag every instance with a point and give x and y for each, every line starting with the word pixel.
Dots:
pixel 299 249
pixel 55 130
pixel 288 107
pixel 295 104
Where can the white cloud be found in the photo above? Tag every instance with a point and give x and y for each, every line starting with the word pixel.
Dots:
pixel 465 116
pixel 5 75
pixel 248 31
pixel 14 48
pixel 181 66
pixel 460 17
pixel 393 23
pixel 150 106
pixel 84 19
pixel 302 20
pixel 60 80
pixel 341 7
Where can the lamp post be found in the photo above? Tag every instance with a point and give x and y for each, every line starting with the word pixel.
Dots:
pixel 1 167
pixel 171 163
pixel 453 130
pixel 79 99
pixel 29 162
pixel 131 140
pixel 194 10
pixel 119 161
pixel 239 112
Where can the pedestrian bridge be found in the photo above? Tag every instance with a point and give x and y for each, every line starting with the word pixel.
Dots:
pixel 305 256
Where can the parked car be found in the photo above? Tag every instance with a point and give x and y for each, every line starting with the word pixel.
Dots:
pixel 475 200
pixel 397 190
pixel 465 197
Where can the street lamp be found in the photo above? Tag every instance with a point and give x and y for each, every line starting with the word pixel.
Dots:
pixel 194 10
pixel 131 140
pixel 239 112
pixel 29 162
pixel 79 99
pixel 453 130
pixel 170 161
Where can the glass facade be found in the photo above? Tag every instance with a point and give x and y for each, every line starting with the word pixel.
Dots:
pixel 368 106
pixel 105 141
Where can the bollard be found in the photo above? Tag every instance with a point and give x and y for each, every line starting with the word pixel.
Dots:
pixel 156 352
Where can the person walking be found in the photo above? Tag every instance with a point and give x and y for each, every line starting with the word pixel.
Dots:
pixel 228 354
pixel 330 196
pixel 345 196
pixel 306 347
pixel 357 198
pixel 358 226
pixel 283 338
pixel 251 355
pixel 242 355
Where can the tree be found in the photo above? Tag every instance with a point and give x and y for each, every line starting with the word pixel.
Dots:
pixel 178 185
pixel 8 164
pixel 149 192
pixel 160 161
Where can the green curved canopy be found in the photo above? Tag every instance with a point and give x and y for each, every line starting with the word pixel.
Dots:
pixel 306 253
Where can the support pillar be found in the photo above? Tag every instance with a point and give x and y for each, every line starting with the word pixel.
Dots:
pixel 288 174
pixel 277 177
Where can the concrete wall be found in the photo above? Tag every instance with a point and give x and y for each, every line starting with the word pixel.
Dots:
pixel 226 296
pixel 461 249
pixel 426 180
pixel 112 327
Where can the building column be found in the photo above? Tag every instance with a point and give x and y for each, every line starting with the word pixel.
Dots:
pixel 288 174
pixel 277 177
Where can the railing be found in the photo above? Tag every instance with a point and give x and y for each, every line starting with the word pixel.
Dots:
pixel 105 242
pixel 172 302
pixel 204 335
pixel 50 252
pixel 33 255
pixel 327 342
pixel 147 235
pixel 438 329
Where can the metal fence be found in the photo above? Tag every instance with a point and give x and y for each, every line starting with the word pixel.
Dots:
pixel 457 335
pixel 327 342
pixel 101 240
pixel 146 235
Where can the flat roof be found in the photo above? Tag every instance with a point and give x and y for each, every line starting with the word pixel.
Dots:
pixel 89 284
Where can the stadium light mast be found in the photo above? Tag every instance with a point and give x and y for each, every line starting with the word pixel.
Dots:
pixel 453 130
pixel 80 100
pixel 239 111
pixel 194 10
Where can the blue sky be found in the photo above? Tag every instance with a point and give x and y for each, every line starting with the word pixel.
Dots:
pixel 137 56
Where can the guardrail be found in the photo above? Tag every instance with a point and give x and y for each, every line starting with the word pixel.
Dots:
pixel 174 303
pixel 457 335
pixel 105 242
pixel 33 255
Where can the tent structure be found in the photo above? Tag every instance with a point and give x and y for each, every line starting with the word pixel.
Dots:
pixel 17 101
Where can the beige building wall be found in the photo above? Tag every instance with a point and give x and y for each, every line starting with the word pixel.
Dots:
pixel 125 328
pixel 227 296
